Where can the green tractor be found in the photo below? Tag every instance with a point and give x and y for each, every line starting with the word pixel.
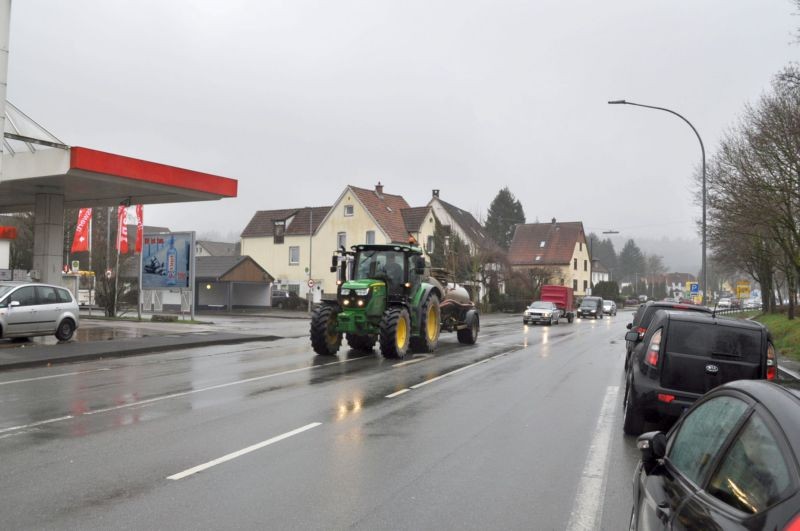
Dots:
pixel 384 295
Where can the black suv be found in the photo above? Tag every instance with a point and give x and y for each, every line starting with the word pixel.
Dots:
pixel 591 307
pixel 685 354
pixel 643 316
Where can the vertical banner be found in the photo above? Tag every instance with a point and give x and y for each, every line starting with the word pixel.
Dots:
pixel 139 228
pixel 81 240
pixel 122 229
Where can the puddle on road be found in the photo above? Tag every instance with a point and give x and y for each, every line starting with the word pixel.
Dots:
pixel 82 335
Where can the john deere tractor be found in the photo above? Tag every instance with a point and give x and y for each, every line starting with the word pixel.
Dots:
pixel 384 295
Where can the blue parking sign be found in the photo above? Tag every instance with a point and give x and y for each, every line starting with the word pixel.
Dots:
pixel 695 287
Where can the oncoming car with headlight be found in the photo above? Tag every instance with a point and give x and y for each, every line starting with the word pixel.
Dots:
pixel 541 312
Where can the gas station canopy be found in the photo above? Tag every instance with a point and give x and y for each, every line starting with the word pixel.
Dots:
pixel 36 162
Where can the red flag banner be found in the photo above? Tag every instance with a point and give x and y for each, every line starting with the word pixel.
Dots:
pixel 139 227
pixel 122 229
pixel 81 240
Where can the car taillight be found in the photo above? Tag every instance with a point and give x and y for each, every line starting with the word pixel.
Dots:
pixel 641 332
pixel 772 371
pixel 794 525
pixel 652 349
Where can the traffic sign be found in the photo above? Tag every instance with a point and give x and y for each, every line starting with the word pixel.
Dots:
pixel 310 282
pixel 695 288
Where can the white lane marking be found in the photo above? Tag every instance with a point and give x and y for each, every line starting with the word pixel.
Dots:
pixel 35 424
pixel 178 395
pixel 445 375
pixel 417 359
pixel 52 376
pixel 243 451
pixel 587 511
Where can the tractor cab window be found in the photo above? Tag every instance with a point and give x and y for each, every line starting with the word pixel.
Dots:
pixel 381 264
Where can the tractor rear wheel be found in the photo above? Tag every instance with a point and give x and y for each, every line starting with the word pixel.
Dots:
pixel 430 324
pixel 395 332
pixel 361 342
pixel 325 339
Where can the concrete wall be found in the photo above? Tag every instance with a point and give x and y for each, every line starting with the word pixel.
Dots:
pixel 250 294
pixel 216 295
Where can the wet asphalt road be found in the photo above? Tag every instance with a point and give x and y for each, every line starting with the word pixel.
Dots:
pixel 504 434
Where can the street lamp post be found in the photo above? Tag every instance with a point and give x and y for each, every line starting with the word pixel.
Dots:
pixel 703 152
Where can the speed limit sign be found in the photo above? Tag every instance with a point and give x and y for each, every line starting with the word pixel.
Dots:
pixel 310 283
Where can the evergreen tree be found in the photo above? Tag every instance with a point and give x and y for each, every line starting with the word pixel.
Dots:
pixel 504 214
pixel 631 263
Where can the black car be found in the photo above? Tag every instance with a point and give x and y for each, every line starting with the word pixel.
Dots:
pixel 684 355
pixel 591 307
pixel 730 463
pixel 287 300
pixel 644 314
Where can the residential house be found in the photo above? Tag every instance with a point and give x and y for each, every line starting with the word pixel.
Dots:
pixel 469 230
pixel 280 241
pixel 207 248
pixel 296 245
pixel 361 215
pixel 599 272
pixel 556 250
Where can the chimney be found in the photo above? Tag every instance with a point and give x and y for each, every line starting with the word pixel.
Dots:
pixel 554 221
pixel 379 189
pixel 435 192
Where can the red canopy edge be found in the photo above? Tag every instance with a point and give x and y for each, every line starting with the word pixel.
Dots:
pixel 152 172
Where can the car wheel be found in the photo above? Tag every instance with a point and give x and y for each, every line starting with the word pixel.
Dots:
pixel 632 417
pixel 65 330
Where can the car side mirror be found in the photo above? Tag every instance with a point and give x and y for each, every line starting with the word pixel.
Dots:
pixel 633 335
pixel 13 303
pixel 653 446
pixel 629 326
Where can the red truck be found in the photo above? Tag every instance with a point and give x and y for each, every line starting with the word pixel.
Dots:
pixel 561 296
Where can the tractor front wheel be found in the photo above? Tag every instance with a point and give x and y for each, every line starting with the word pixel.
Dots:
pixel 395 332
pixel 430 324
pixel 325 338
pixel 361 342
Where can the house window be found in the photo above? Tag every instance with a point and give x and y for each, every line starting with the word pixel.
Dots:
pixel 348 210
pixel 585 285
pixel 294 255
pixel 370 237
pixel 580 246
pixel 278 229
pixel 575 264
pixel 586 265
pixel 574 284
pixel 562 281
pixel 429 245
pixel 341 240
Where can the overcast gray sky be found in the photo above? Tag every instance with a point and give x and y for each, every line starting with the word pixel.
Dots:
pixel 298 98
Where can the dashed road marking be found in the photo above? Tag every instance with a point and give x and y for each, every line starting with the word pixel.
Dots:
pixel 53 376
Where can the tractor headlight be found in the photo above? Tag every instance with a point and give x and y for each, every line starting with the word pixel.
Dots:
pixel 345 291
pixel 360 292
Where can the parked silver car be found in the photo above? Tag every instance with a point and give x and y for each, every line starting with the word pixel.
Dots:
pixel 32 309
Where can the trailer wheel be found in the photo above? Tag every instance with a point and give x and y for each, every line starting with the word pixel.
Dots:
pixel 469 335
pixel 361 342
pixel 395 332
pixel 430 323
pixel 325 339
pixel 570 317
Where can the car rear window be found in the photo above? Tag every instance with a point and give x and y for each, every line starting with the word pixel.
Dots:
pixel 64 295
pixel 705 339
pixel 649 311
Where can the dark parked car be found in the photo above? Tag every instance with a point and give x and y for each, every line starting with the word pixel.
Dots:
pixel 287 300
pixel 591 307
pixel 730 463
pixel 644 314
pixel 684 355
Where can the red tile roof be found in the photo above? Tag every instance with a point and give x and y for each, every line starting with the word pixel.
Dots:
pixel 559 243
pixel 387 209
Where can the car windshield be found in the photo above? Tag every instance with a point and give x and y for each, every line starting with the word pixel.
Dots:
pixel 540 305
pixel 5 289
pixel 590 303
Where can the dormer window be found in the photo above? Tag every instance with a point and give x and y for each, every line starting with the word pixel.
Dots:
pixel 278 230
pixel 542 244
pixel 348 211
pixel 538 258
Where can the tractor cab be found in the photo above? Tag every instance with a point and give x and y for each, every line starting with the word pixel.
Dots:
pixel 399 267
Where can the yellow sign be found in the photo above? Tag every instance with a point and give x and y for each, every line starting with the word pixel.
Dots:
pixel 742 289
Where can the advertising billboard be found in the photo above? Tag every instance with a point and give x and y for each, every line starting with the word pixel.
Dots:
pixel 167 260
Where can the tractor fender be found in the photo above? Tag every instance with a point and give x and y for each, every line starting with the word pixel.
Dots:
pixel 417 312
